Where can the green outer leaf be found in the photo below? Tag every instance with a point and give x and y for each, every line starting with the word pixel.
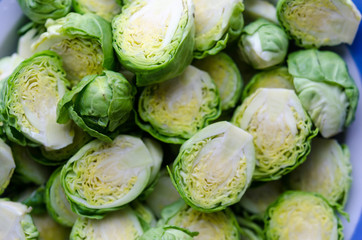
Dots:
pixel 40 10
pixel 79 205
pixel 168 232
pixel 149 125
pixel 249 229
pixel 187 150
pixel 91 26
pixel 235 27
pixel 177 60
pixel 292 194
pixel 36 200
pixel 325 67
pixel 59 209
pixel 218 64
pixel 11 125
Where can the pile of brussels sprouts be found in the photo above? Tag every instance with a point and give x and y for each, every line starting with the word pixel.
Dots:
pixel 177 119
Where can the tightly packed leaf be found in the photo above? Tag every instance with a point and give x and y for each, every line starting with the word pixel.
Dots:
pixel 98 104
pixel 167 233
pixel 173 111
pixel 214 167
pixel 155 38
pixel 281 130
pixel 37 81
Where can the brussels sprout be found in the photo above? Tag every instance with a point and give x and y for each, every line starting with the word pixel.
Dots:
pixel 166 233
pixel 155 38
pixel 164 193
pixel 8 65
pixel 302 215
pixel 27 169
pixel 258 198
pixel 216 225
pixel 275 78
pixel 316 23
pixel 281 128
pixel 175 110
pixel 255 9
pixel 327 171
pixel 225 73
pixel 98 104
pixel 263 44
pixel 16 223
pixel 107 9
pixel 214 167
pixel 217 23
pixel 37 81
pixel 49 229
pixel 83 41
pixel 121 225
pixel 7 164
pixel 103 177
pixel 40 10
pixel 325 88
pixel 56 202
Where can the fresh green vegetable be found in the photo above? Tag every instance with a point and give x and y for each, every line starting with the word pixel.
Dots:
pixel 155 39
pixel 214 167
pixel 7 164
pixel 216 225
pixel 56 202
pixel 316 23
pixel 255 9
pixel 274 78
pixel 327 171
pixel 107 9
pixel 281 130
pixel 302 215
pixel 103 177
pixel 16 223
pixel 173 111
pixel 217 23
pixel 29 100
pixel 166 233
pixel 226 75
pixel 325 88
pixel 263 44
pixel 98 104
pixel 83 41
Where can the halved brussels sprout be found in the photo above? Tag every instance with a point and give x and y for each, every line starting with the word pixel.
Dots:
pixel 175 110
pixel 16 223
pixel 216 225
pixel 214 167
pixel 327 171
pixel 301 215
pixel 316 23
pixel 258 198
pixel 7 164
pixel 107 9
pixel 103 177
pixel 40 10
pixel 83 41
pixel 56 202
pixel 8 65
pixel 263 44
pixel 281 128
pixel 27 169
pixel 217 23
pixel 163 194
pixel 120 225
pixel 275 78
pixel 255 9
pixel 29 100
pixel 226 75
pixel 325 88
pixel 166 233
pixel 49 229
pixel 155 38
pixel 98 104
